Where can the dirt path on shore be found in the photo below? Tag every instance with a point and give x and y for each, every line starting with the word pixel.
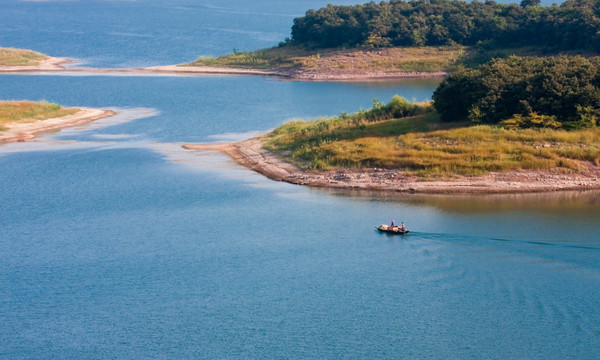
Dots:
pixel 26 131
pixel 252 155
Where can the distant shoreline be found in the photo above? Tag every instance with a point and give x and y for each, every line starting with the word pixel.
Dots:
pixel 18 132
pixel 298 74
pixel 53 64
pixel 251 154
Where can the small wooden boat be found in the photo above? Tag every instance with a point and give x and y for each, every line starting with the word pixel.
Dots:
pixel 392 229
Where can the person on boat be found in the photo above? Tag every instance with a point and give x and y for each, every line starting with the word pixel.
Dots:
pixel 393 224
pixel 402 226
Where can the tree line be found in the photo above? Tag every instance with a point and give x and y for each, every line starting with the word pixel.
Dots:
pixel 524 92
pixel 574 25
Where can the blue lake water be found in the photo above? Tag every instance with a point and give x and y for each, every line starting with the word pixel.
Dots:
pixel 115 242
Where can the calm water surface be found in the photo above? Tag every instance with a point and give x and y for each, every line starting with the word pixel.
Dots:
pixel 117 243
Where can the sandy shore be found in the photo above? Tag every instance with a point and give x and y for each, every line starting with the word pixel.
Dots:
pixel 251 154
pixel 55 65
pixel 26 131
pixel 209 70
pixel 296 74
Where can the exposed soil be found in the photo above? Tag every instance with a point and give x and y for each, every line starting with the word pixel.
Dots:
pixel 251 154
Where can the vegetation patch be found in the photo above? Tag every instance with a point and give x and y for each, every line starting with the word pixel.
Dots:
pixel 551 92
pixel 417 59
pixel 414 140
pixel 29 111
pixel 20 57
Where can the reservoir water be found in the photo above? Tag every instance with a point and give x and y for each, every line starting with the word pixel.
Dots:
pixel 115 242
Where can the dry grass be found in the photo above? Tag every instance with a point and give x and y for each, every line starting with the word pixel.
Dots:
pixel 278 57
pixel 19 57
pixel 421 59
pixel 29 111
pixel 395 59
pixel 423 146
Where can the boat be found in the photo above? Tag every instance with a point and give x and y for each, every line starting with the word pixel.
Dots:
pixel 392 229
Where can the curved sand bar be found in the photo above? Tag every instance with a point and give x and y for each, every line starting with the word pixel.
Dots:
pixel 251 154
pixel 26 131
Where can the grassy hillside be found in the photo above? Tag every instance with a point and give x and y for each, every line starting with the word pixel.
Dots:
pixel 424 146
pixel 20 57
pixel 29 111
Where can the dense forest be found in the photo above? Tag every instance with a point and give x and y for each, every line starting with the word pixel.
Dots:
pixel 524 92
pixel 574 25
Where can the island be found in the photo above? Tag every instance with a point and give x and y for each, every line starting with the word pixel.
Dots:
pixel 22 120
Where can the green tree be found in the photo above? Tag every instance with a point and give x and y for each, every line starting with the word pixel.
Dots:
pixel 526 3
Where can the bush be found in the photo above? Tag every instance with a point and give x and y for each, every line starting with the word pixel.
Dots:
pixel 517 91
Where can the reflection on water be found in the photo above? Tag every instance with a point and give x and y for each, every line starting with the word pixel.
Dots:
pixel 555 201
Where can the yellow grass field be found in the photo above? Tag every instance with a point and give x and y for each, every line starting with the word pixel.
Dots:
pixel 421 145
pixel 29 111
pixel 20 57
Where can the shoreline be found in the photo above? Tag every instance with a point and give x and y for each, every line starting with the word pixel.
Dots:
pixel 54 65
pixel 50 64
pixel 19 132
pixel 250 154
pixel 296 74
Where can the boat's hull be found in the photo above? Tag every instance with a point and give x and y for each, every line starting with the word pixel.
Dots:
pixel 396 230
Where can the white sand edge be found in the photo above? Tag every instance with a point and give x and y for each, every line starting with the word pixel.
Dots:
pixel 16 132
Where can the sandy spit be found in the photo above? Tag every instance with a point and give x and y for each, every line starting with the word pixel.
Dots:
pixel 209 70
pixel 55 65
pixel 251 154
pixel 26 131
pixel 297 74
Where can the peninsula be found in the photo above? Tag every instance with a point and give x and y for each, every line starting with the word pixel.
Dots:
pixel 493 129
pixel 288 63
pixel 390 40
pixel 416 38
pixel 22 120
pixel 22 60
